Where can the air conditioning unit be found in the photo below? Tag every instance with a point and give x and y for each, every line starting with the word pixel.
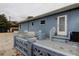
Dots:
pixel 74 36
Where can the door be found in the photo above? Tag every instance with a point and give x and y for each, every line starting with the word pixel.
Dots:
pixel 62 25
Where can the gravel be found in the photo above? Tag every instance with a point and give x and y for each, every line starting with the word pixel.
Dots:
pixel 6 45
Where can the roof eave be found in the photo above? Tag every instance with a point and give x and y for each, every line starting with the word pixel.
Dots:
pixel 54 12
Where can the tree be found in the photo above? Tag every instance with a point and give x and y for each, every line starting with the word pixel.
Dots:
pixel 4 23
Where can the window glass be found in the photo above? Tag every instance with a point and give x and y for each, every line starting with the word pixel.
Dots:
pixel 43 22
pixel 62 24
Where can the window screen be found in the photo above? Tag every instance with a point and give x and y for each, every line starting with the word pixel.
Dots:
pixel 62 24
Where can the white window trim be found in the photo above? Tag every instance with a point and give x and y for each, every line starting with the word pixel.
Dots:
pixel 63 32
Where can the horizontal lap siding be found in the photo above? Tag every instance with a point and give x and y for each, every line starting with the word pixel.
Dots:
pixel 73 22
pixel 35 27
pixel 51 21
pixel 24 27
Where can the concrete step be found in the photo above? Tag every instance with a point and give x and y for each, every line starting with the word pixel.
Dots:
pixel 61 37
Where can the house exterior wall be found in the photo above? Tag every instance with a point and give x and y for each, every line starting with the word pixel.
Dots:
pixel 51 21
pixel 35 27
pixel 73 21
pixel 24 27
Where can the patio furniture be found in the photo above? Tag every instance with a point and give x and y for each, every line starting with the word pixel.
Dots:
pixel 52 32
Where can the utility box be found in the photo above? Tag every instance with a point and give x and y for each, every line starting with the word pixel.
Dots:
pixel 74 36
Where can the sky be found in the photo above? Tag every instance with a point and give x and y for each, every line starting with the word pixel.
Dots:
pixel 20 11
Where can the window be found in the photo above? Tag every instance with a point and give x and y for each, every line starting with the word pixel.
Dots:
pixel 32 23
pixel 43 22
pixel 62 25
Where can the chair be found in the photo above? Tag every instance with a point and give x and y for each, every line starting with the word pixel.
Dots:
pixel 52 32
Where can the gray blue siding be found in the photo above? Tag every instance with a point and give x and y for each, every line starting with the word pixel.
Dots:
pixel 51 21
pixel 24 27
